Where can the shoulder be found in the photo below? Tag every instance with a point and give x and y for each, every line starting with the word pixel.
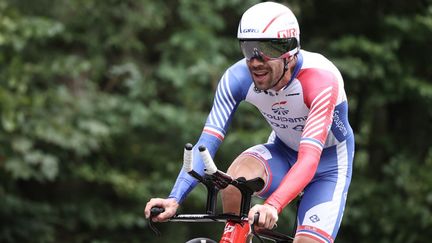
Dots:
pixel 317 75
pixel 239 71
pixel 314 59
pixel 237 79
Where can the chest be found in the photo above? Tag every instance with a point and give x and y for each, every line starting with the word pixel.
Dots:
pixel 285 106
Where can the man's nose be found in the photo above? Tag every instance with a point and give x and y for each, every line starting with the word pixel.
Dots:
pixel 256 61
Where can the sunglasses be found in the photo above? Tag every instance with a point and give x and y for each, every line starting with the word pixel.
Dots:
pixel 267 49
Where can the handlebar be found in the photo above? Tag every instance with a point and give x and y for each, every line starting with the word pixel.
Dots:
pixel 219 180
pixel 187 157
pixel 155 211
pixel 210 167
pixel 209 164
pixel 214 180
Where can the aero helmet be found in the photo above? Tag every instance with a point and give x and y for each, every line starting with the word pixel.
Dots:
pixel 270 21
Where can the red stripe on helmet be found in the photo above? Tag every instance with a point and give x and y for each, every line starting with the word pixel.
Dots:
pixel 268 25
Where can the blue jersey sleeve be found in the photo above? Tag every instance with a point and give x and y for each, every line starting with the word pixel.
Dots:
pixel 231 90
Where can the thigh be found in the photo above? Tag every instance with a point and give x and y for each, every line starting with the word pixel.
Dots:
pixel 319 212
pixel 323 202
pixel 276 159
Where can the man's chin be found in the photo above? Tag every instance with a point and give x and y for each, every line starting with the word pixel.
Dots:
pixel 261 86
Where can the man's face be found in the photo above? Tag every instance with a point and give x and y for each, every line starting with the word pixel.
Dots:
pixel 265 74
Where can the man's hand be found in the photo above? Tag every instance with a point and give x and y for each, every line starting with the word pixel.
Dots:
pixel 170 205
pixel 268 215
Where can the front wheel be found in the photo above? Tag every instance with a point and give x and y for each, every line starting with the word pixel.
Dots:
pixel 201 240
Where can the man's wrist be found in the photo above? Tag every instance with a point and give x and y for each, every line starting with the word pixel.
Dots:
pixel 174 199
pixel 278 209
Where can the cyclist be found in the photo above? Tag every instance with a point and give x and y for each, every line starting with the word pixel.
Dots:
pixel 311 148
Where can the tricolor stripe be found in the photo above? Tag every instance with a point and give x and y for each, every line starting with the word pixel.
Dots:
pixel 314 233
pixel 264 162
pixel 314 142
pixel 214 132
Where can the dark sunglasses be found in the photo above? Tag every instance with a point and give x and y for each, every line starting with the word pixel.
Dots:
pixel 267 49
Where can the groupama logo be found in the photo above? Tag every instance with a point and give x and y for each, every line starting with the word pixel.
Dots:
pixel 279 108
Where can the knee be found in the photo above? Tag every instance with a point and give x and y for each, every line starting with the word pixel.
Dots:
pixel 248 167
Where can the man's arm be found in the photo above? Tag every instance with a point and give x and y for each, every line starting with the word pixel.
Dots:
pixel 321 101
pixel 185 183
pixel 229 93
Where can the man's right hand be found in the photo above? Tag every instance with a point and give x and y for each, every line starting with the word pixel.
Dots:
pixel 170 205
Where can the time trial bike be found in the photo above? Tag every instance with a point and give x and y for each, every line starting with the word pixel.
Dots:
pixel 215 180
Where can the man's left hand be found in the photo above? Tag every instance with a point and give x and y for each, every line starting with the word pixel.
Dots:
pixel 268 215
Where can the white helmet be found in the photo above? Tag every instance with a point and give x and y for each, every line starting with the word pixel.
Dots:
pixel 269 20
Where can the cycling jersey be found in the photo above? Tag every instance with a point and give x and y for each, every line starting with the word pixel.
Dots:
pixel 308 115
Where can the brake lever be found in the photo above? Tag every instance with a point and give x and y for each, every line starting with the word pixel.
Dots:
pixel 255 221
pixel 154 211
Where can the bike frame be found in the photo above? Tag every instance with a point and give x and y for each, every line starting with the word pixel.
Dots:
pixel 214 180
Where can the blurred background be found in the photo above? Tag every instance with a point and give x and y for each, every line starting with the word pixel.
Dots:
pixel 97 99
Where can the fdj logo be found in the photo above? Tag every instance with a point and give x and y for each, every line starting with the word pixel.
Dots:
pixel 229 228
pixel 279 108
pixel 314 218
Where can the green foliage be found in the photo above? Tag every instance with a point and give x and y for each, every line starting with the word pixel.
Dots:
pixel 98 97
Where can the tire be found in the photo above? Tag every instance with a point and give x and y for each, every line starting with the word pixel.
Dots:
pixel 201 240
